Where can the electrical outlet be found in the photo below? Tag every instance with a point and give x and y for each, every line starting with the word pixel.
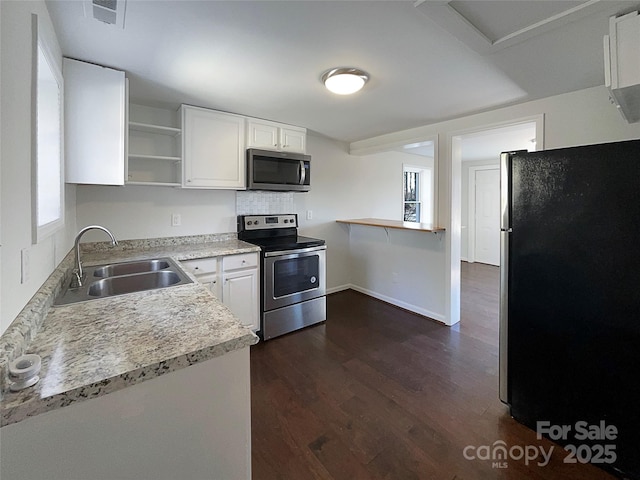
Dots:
pixel 176 220
pixel 309 214
pixel 24 265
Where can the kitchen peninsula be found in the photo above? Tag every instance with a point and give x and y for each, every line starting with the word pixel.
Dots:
pixel 380 222
pixel 166 372
pixel 389 260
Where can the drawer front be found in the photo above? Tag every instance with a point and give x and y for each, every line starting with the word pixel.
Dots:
pixel 245 260
pixel 201 265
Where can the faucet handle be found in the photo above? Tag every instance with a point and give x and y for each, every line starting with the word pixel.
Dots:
pixel 76 279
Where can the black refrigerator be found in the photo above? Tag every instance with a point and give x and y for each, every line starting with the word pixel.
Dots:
pixel 570 299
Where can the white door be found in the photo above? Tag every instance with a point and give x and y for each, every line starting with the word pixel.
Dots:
pixel 487 216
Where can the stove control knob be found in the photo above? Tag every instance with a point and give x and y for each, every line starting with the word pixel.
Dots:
pixel 256 222
pixel 249 222
pixel 286 221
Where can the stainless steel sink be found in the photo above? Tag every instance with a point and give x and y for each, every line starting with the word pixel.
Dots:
pixel 131 267
pixel 121 278
pixel 132 283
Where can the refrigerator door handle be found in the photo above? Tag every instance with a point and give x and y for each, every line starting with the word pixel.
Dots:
pixel 503 353
pixel 504 191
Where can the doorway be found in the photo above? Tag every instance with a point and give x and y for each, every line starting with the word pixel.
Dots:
pixel 466 152
pixel 484 215
pixel 480 172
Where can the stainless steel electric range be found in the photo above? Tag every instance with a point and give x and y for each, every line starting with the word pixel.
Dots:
pixel 292 280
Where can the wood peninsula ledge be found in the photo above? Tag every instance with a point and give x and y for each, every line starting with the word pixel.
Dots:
pixel 379 222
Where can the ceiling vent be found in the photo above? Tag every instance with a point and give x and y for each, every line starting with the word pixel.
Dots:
pixel 107 11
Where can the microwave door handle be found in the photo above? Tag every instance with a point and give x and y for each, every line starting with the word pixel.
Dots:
pixel 303 173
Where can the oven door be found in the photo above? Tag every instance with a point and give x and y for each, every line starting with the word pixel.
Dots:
pixel 293 276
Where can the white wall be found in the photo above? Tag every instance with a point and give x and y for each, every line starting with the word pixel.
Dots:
pixel 133 211
pixel 576 118
pixel 16 101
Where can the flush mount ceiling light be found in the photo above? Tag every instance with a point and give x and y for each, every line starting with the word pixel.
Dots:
pixel 344 81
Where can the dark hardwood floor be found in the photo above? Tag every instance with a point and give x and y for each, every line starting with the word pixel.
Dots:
pixel 377 392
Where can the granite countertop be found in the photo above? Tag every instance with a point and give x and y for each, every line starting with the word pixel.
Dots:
pixel 92 348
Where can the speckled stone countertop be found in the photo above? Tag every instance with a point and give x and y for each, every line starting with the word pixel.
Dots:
pixel 92 348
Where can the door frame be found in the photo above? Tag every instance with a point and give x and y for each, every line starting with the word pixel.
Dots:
pixel 454 180
pixel 471 223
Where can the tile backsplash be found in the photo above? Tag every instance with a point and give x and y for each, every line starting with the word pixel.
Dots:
pixel 264 203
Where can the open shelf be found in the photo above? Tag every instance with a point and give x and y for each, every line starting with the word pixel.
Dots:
pixel 155 148
pixel 154 184
pixel 154 157
pixel 149 128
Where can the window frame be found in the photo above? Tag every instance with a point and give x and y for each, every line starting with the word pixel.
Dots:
pixel 41 43
pixel 424 184
pixel 418 201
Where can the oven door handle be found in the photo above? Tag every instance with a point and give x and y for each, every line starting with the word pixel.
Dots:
pixel 297 250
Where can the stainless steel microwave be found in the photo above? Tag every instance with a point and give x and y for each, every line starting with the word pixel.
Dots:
pixel 280 171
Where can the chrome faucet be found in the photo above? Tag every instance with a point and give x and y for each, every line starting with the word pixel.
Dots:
pixel 78 274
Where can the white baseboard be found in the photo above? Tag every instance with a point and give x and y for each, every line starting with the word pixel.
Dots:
pixel 337 289
pixel 406 306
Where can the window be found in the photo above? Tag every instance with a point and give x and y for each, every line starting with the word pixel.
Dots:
pixel 412 192
pixel 417 204
pixel 47 157
pixel 417 201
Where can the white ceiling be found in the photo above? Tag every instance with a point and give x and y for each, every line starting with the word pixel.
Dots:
pixel 265 58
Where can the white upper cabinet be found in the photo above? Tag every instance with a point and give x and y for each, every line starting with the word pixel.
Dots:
pixel 622 64
pixel 275 136
pixel 213 149
pixel 95 123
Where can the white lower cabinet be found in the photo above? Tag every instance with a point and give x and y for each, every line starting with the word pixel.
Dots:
pixel 210 280
pixel 192 423
pixel 239 289
pixel 233 279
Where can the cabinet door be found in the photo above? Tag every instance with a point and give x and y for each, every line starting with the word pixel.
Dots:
pixel 262 135
pixel 211 282
pixel 213 149
pixel 95 123
pixel 240 294
pixel 293 139
pixel 626 35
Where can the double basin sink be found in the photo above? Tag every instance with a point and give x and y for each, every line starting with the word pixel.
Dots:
pixel 120 278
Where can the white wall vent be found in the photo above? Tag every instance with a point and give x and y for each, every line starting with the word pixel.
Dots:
pixel 111 12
